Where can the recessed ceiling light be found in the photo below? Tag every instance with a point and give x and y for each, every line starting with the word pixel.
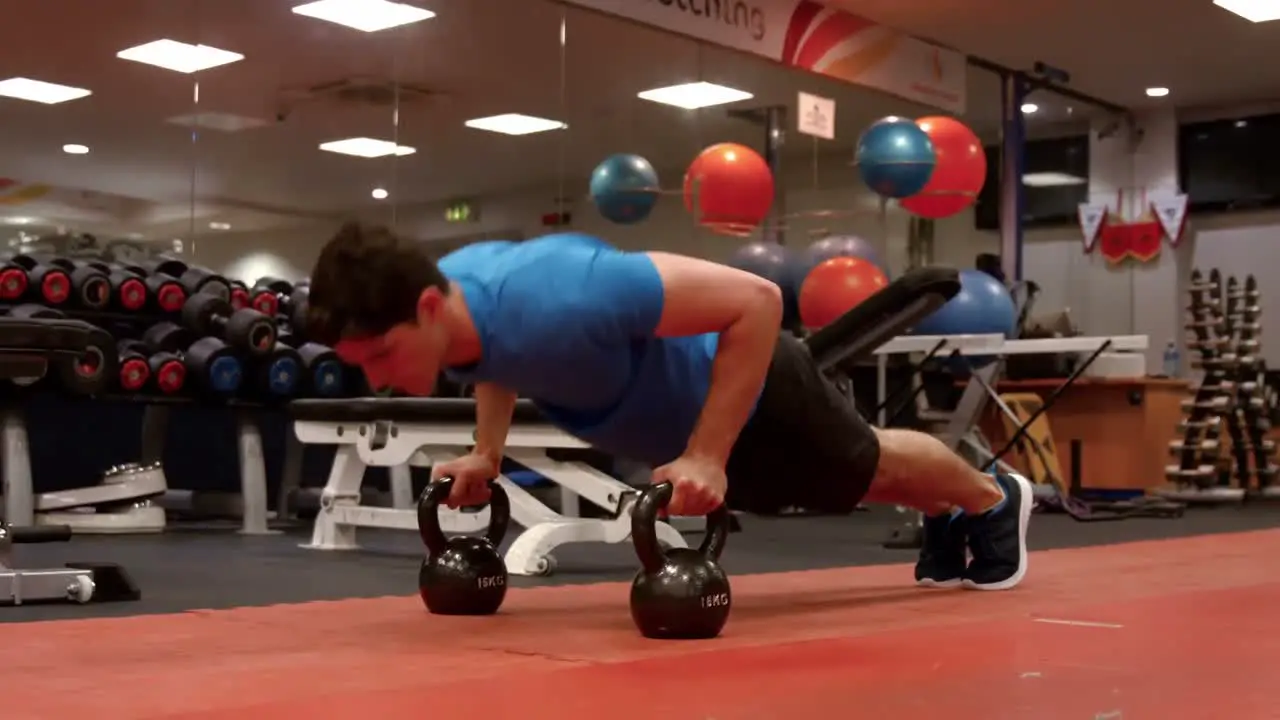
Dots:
pixel 1251 10
pixel 1051 179
pixel 179 56
pixel 1029 108
pixel 1157 91
pixel 692 96
pixel 366 15
pixel 366 147
pixel 39 91
pixel 379 194
pixel 219 226
pixel 74 149
pixel 515 124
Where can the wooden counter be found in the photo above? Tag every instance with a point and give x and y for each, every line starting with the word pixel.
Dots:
pixel 1124 425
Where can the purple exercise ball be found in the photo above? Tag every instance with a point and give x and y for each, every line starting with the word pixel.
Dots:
pixel 836 246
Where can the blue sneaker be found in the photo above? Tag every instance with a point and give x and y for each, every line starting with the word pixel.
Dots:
pixel 998 538
pixel 943 554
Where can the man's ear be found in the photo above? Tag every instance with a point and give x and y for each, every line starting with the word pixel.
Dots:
pixel 430 305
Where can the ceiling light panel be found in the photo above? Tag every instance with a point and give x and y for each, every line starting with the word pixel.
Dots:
pixel 515 124
pixel 1252 10
pixel 366 147
pixel 47 93
pixel 692 96
pixel 364 15
pixel 179 56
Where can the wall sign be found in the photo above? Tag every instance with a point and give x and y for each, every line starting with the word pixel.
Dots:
pixel 816 116
pixel 810 36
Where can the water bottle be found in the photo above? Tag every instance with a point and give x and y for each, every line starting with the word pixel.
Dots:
pixel 1172 360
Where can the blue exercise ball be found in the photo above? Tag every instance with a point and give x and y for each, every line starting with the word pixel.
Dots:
pixel 776 263
pixel 982 307
pixel 835 246
pixel 895 157
pixel 624 188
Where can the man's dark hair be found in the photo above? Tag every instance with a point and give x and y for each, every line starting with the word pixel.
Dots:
pixel 367 281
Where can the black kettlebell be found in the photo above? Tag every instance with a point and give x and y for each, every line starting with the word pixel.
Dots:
pixel 680 593
pixel 463 575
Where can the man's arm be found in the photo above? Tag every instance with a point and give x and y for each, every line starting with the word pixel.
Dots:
pixel 494 406
pixel 746 310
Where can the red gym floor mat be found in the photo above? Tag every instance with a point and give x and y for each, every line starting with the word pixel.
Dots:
pixel 1175 629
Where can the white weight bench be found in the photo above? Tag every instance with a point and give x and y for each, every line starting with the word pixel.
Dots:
pixel 395 432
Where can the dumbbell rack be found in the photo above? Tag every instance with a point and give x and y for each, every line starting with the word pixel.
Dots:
pixel 1224 328
pixel 1199 474
pixel 1253 452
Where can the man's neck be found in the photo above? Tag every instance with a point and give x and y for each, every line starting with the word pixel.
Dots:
pixel 464 341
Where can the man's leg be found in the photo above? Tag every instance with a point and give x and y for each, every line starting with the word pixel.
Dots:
pixel 962 506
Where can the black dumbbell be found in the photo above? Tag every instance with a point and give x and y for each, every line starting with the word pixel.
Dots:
pixel 13 281
pixel 167 293
pixel 240 297
pixel 167 337
pixel 293 309
pixel 128 291
pixel 246 329
pixel 169 372
pixel 165 265
pixel 32 311
pixel 215 366
pixel 279 374
pixel 197 280
pixel 90 286
pixel 268 293
pixel 53 285
pixel 134 370
pixel 325 373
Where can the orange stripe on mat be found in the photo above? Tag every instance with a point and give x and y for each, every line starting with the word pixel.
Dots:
pixel 553 651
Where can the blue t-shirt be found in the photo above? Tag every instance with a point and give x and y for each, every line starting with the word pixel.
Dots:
pixel 567 321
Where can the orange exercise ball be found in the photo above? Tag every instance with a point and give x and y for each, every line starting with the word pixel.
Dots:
pixel 959 174
pixel 729 188
pixel 836 286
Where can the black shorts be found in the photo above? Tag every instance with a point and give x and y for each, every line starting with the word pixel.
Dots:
pixel 806 446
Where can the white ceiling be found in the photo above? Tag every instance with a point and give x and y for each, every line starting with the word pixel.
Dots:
pixel 476 58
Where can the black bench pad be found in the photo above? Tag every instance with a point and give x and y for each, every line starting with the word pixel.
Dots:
pixel 881 316
pixel 423 410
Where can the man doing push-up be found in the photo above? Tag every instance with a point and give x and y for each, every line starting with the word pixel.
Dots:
pixel 664 359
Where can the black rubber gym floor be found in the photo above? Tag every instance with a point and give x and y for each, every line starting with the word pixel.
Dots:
pixel 206 567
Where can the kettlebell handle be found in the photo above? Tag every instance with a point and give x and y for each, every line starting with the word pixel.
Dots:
pixel 644 528
pixel 429 514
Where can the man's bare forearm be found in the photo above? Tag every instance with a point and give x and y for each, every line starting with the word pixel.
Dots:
pixel 494 405
pixel 737 374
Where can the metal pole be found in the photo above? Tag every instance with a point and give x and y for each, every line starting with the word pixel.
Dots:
pixel 1013 132
pixel 775 137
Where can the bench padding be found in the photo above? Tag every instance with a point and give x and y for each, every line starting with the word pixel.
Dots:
pixel 883 316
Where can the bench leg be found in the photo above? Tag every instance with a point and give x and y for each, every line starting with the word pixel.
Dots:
pixel 253 476
pixel 341 490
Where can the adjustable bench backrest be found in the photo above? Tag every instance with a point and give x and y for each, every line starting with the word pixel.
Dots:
pixel 880 318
